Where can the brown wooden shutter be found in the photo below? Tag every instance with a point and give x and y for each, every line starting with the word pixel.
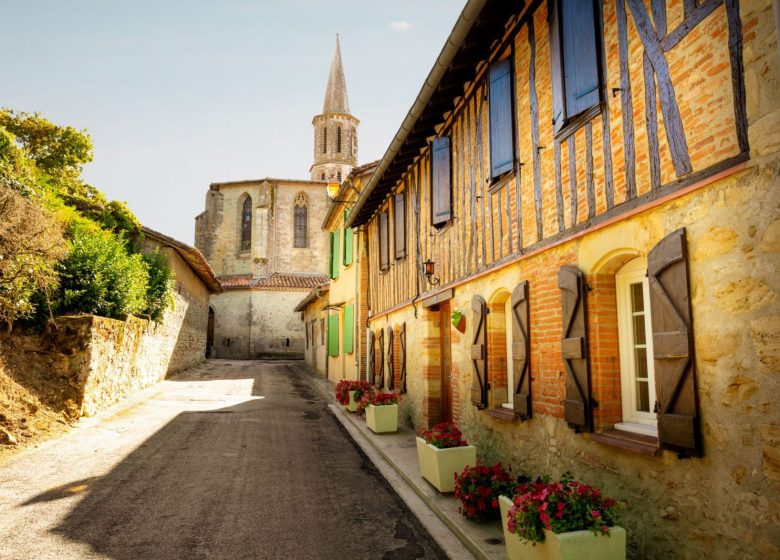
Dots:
pixel 574 349
pixel 521 351
pixel 399 225
pixel 441 179
pixel 381 381
pixel 479 385
pixel 402 360
pixel 372 356
pixel 556 66
pixel 390 359
pixel 384 242
pixel 673 352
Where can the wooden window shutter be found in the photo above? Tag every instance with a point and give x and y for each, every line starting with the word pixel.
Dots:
pixel 349 329
pixel 381 381
pixel 580 56
pixel 673 351
pixel 390 359
pixel 334 254
pixel 333 335
pixel 306 326
pixel 384 242
pixel 372 356
pixel 502 151
pixel 556 64
pixel 574 349
pixel 521 351
pixel 441 179
pixel 402 357
pixel 479 385
pixel 399 224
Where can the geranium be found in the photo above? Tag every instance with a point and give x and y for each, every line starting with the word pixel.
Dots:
pixel 560 507
pixel 443 435
pixel 344 386
pixel 377 399
pixel 478 489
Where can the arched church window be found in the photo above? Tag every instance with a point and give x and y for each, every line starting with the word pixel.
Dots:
pixel 246 224
pixel 322 177
pixel 338 139
pixel 324 140
pixel 338 176
pixel 301 221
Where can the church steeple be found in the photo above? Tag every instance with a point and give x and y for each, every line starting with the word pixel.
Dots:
pixel 336 100
pixel 335 130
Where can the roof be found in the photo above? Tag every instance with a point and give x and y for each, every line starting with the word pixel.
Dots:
pixel 313 296
pixel 336 100
pixel 216 186
pixel 478 27
pixel 194 258
pixel 275 282
pixel 364 169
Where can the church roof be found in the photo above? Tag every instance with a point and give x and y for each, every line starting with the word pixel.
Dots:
pixel 336 94
pixel 275 282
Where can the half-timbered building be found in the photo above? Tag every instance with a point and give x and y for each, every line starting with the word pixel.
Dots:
pixel 577 229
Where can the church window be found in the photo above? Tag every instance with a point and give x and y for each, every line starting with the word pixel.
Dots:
pixel 322 177
pixel 338 176
pixel 338 139
pixel 246 224
pixel 301 221
pixel 324 140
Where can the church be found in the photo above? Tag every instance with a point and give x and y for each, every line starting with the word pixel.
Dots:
pixel 264 240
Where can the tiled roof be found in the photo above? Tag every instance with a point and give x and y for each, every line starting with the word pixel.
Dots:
pixel 312 296
pixel 274 282
pixel 194 258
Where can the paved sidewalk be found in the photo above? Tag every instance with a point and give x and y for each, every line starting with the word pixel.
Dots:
pixel 399 452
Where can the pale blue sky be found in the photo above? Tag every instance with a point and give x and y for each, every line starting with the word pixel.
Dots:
pixel 177 94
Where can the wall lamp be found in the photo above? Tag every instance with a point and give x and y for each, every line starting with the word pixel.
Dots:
pixel 430 269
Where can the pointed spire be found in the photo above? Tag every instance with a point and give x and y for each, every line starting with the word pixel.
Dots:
pixel 336 94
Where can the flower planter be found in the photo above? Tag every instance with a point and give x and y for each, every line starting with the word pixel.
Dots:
pixel 576 545
pixel 382 419
pixel 353 405
pixel 438 466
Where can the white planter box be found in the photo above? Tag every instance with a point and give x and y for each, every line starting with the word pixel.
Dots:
pixel 352 406
pixel 576 545
pixel 382 419
pixel 438 466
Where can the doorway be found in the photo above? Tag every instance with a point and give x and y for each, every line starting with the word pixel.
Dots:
pixel 210 335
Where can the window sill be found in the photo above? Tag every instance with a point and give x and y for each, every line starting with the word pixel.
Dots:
pixel 497 183
pixel 501 413
pixel 575 123
pixel 636 443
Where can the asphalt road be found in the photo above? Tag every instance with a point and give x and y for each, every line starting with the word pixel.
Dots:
pixel 231 460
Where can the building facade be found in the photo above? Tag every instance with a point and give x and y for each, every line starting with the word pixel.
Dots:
pixel 592 189
pixel 263 240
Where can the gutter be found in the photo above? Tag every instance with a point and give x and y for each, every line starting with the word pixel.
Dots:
pixel 454 42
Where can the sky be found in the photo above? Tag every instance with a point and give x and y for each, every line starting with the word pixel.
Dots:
pixel 179 94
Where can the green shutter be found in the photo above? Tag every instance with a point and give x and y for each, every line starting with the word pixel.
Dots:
pixel 334 254
pixel 347 241
pixel 333 335
pixel 349 329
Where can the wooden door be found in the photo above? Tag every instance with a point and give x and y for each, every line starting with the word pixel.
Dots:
pixel 445 368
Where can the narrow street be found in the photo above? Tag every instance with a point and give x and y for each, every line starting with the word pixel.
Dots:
pixel 227 461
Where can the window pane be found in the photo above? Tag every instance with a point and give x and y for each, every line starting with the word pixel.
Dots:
pixel 639 329
pixel 641 363
pixel 642 396
pixel 637 297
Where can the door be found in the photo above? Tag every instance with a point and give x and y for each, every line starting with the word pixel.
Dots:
pixel 445 367
pixel 210 335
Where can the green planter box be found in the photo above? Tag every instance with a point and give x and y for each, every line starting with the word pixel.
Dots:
pixel 382 419
pixel 576 545
pixel 352 406
pixel 438 466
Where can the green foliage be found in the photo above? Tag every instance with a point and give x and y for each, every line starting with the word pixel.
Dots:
pixel 159 290
pixel 99 276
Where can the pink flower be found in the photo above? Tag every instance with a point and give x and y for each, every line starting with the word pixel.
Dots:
pixel 545 520
pixel 595 513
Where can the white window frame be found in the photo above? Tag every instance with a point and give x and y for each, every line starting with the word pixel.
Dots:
pixel 635 271
pixel 510 381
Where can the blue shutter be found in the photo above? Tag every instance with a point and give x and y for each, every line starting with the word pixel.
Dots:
pixel 580 56
pixel 501 138
pixel 556 66
pixel 441 197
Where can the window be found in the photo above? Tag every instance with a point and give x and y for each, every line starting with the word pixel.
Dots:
pixel 384 242
pixel 576 85
pixel 502 148
pixel 322 331
pixel 399 224
pixel 246 224
pixel 441 196
pixel 636 347
pixel 324 140
pixel 338 139
pixel 338 176
pixel 322 176
pixel 301 221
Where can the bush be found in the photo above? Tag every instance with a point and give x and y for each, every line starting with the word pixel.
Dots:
pixel 159 290
pixel 478 489
pixel 99 276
